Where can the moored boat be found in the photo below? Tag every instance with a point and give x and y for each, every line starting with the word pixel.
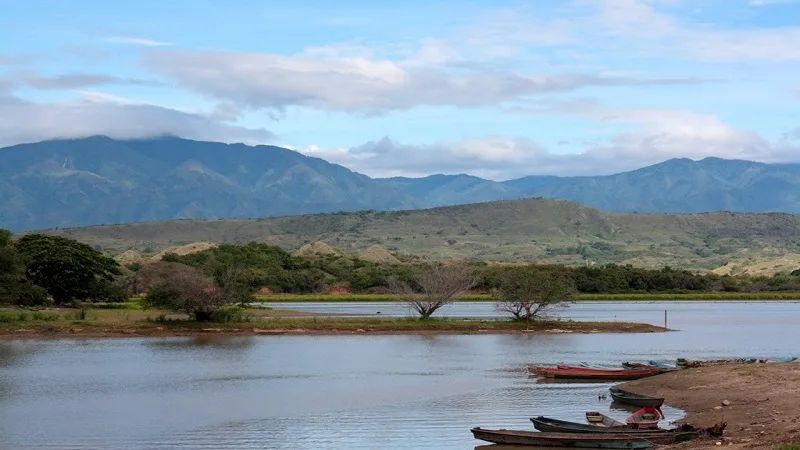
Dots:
pixel 651 365
pixel 595 374
pixel 605 369
pixel 647 417
pixel 634 399
pixel 782 360
pixel 543 423
pixel 584 440
pixel 601 420
pixel 662 365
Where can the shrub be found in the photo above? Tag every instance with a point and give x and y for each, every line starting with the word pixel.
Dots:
pixel 32 295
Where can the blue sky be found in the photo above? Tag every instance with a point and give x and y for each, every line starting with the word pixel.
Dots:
pixel 497 89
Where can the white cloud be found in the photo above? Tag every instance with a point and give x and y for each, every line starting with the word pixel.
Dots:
pixel 640 25
pixel 72 80
pixel 325 78
pixel 26 121
pixel 132 40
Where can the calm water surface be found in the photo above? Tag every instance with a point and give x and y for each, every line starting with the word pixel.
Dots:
pixel 344 391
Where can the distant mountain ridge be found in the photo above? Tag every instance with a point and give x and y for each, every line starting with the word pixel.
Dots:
pixel 678 185
pixel 97 180
pixel 77 182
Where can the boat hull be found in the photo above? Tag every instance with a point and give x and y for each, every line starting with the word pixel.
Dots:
pixel 542 423
pixel 581 440
pixel 510 437
pixel 647 417
pixel 630 398
pixel 601 420
pixel 582 373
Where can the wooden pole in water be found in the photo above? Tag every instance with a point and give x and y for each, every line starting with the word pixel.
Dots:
pixel 665 318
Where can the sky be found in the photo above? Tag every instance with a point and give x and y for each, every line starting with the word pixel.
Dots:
pixel 498 89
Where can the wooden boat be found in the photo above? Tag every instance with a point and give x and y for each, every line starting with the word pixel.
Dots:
pixel 601 420
pixel 543 423
pixel 651 365
pixel 631 398
pixel 588 367
pixel 782 360
pixel 661 365
pixel 595 374
pixel 647 417
pixel 583 440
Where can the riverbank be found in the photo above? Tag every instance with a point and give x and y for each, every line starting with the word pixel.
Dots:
pixel 702 297
pixel 61 323
pixel 764 409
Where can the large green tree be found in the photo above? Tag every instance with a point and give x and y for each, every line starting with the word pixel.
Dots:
pixel 68 269
pixel 12 270
pixel 525 292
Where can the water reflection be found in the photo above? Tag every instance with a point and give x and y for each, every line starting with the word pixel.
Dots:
pixel 202 342
pixel 337 391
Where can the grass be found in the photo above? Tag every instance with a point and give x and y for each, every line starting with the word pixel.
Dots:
pixel 14 317
pixel 788 447
pixel 130 305
pixel 726 296
pixel 105 323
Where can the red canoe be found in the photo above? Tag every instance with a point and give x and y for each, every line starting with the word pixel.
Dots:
pixel 563 371
pixel 647 417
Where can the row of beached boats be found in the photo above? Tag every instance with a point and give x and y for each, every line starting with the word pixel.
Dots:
pixel 640 430
pixel 634 370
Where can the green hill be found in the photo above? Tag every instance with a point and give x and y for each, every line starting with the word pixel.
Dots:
pixel 518 230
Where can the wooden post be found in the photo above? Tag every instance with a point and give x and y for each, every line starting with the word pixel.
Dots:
pixel 665 318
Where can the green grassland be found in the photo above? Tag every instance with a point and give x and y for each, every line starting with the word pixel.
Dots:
pixel 506 231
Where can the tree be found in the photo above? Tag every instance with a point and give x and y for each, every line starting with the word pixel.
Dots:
pixel 434 286
pixel 68 269
pixel 14 288
pixel 525 292
pixel 12 269
pixel 187 289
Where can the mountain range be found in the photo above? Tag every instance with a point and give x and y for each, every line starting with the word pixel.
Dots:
pixel 99 180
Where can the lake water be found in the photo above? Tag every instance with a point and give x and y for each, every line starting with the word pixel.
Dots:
pixel 350 392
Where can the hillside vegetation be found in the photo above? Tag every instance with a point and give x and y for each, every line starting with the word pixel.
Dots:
pixel 520 230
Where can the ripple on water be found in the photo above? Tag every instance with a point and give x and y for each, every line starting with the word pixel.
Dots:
pixel 389 392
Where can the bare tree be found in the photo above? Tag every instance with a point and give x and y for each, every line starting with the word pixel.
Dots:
pixel 434 287
pixel 525 292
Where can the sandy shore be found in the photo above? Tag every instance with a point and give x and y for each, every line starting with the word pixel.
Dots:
pixel 764 409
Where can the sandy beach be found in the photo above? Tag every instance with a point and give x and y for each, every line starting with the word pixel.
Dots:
pixel 763 400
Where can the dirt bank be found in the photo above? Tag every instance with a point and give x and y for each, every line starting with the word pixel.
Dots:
pixel 764 410
pixel 109 323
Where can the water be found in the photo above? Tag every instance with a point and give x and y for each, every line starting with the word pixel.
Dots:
pixel 352 392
